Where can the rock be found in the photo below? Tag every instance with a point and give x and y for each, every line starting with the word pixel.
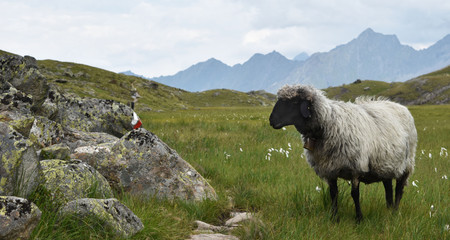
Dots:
pixel 13 99
pixel 206 231
pixel 115 215
pixel 88 114
pixel 75 139
pixel 18 218
pixel 141 163
pixel 238 217
pixel 70 180
pixel 19 166
pixel 21 122
pixel 144 164
pixel 214 236
pixel 45 132
pixel 57 151
pixel 94 155
pixel 202 226
pixel 24 75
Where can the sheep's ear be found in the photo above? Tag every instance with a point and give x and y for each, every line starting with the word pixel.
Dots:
pixel 305 109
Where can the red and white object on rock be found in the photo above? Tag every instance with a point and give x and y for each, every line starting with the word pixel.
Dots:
pixel 136 122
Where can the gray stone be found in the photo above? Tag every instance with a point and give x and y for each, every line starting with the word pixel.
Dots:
pixel 18 218
pixel 114 214
pixel 19 163
pixel 213 236
pixel 24 75
pixel 75 139
pixel 20 121
pixel 45 132
pixel 88 114
pixel 57 151
pixel 70 180
pixel 142 164
pixel 238 217
pixel 202 226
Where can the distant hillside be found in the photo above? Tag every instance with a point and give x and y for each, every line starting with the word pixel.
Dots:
pixel 87 81
pixel 431 88
pixel 369 56
pixel 255 74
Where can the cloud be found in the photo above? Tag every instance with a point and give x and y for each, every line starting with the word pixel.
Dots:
pixel 162 37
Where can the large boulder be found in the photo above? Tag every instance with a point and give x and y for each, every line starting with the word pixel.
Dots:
pixel 19 164
pixel 114 215
pixel 44 132
pixel 23 74
pixel 141 163
pixel 18 218
pixel 88 114
pixel 13 99
pixel 57 151
pixel 70 180
pixel 75 139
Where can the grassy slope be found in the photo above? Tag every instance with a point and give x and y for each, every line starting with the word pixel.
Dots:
pixel 230 147
pixel 414 91
pixel 88 81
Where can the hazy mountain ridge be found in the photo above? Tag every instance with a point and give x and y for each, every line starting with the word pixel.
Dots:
pixel 254 74
pixel 369 56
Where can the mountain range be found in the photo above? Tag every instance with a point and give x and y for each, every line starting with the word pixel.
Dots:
pixel 371 55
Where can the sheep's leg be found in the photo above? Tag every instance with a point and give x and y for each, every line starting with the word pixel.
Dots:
pixel 334 195
pixel 355 196
pixel 388 191
pixel 401 182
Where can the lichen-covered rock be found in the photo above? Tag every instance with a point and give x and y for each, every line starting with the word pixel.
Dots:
pixel 70 180
pixel 88 114
pixel 75 139
pixel 114 214
pixel 13 99
pixel 19 163
pixel 21 122
pixel 44 132
pixel 18 218
pixel 57 151
pixel 24 75
pixel 93 155
pixel 141 163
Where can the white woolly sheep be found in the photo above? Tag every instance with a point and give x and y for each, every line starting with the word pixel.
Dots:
pixel 368 141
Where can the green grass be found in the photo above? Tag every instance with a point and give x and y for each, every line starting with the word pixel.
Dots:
pixel 87 81
pixel 230 147
pixel 404 92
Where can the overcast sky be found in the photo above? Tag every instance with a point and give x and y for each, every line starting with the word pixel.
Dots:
pixel 162 37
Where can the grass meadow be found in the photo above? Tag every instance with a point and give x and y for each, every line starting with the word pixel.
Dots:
pixel 261 170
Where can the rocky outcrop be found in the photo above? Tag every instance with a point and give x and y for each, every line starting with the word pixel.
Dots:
pixel 23 74
pixel 18 218
pixel 43 132
pixel 70 180
pixel 114 215
pixel 141 163
pixel 19 166
pixel 88 114
pixel 57 151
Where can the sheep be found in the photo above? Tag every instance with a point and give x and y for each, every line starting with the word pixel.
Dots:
pixel 368 141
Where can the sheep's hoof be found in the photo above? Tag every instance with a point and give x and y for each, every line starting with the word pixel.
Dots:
pixel 359 219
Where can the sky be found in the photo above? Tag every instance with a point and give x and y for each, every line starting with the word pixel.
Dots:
pixel 161 37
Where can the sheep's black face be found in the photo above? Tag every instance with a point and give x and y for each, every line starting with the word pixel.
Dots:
pixel 290 112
